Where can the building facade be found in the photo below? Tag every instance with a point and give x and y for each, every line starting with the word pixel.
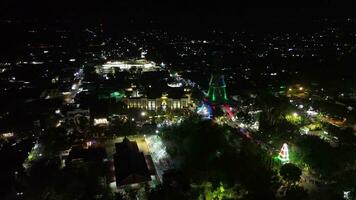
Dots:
pixel 162 103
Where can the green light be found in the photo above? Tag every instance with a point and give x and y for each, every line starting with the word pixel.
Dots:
pixel 217 88
pixel 117 95
pixel 209 192
pixel 214 97
pixel 294 118
pixel 283 159
pixel 225 96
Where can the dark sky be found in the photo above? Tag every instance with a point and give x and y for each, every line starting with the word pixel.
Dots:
pixel 169 12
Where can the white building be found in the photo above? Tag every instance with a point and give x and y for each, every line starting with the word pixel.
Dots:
pixel 164 102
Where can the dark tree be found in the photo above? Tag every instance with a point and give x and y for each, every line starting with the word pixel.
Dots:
pixel 296 193
pixel 290 173
pixel 54 140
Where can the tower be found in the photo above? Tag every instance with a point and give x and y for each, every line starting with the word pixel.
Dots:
pixel 284 154
pixel 217 89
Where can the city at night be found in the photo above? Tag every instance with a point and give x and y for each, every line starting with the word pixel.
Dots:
pixel 177 100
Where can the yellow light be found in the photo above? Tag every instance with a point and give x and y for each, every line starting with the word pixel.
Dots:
pixel 7 135
pixel 300 88
pixel 89 143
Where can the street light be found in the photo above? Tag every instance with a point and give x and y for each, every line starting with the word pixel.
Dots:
pixel 143 113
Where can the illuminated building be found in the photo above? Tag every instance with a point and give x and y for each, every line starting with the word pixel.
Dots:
pixel 297 91
pixel 101 122
pixel 6 135
pixel 140 65
pixel 175 84
pixel 164 102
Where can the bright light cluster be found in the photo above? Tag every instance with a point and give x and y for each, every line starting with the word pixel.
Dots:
pixel 159 154
pixel 157 148
pixel 126 65
pixel 251 126
pixel 311 112
pixel 205 111
pixel 165 123
pixel 168 123
pixel 8 135
pixel 175 85
pixel 294 118
pixel 123 65
pixel 101 121
pixel 255 126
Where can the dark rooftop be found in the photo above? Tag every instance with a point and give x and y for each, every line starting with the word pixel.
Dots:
pixel 130 164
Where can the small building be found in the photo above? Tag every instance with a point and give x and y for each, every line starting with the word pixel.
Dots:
pixel 130 164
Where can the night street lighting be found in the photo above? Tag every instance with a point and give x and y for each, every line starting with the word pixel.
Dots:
pixel 143 113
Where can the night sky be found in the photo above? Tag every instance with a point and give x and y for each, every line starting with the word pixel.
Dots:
pixel 179 13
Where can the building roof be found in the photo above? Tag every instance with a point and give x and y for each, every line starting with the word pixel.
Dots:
pixel 130 164
pixel 87 155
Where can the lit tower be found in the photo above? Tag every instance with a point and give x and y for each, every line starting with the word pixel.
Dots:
pixel 284 154
pixel 217 89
